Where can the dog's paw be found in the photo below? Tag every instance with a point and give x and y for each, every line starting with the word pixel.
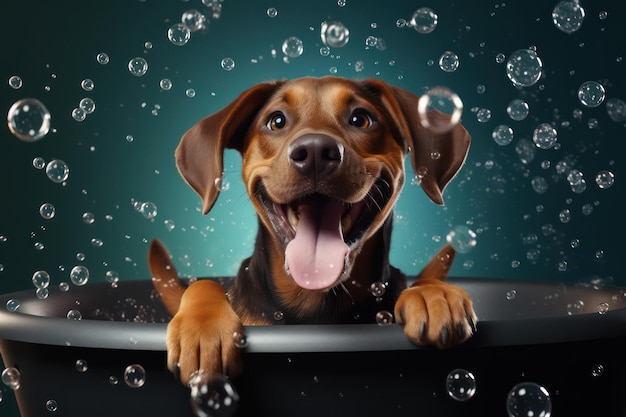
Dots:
pixel 436 313
pixel 204 334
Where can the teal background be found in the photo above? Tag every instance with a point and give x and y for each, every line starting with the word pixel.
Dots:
pixel 52 46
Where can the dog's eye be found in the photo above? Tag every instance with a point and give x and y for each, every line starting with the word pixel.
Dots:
pixel 361 119
pixel 277 121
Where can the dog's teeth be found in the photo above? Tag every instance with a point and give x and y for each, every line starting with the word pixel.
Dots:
pixel 292 217
pixel 346 223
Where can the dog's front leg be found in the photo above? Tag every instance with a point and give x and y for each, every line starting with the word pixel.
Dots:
pixel 434 312
pixel 200 336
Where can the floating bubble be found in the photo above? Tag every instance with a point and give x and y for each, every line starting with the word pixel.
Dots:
pixel 440 109
pixel 190 92
pixel 384 318
pixel 41 279
pixel 500 58
pixel 165 84
pixel 135 376
pixel 545 136
pixel 272 12
pixel 449 61
pixel 528 399
pixel 87 84
pixel 462 239
pixel 378 289
pixel 511 294
pixel 57 171
pixel 11 378
pixel 169 225
pixel 52 406
pixel 39 163
pixel 605 179
pixel 483 115
pixel 138 66
pixel 568 16
pixel 88 217
pixel 15 82
pixel 47 211
pixel 616 109
pixel 502 135
pixel 79 275
pixel 178 34
pixel 279 315
pixel 102 58
pixel 148 210
pixel 213 396
pixel 524 68
pixel 29 120
pixel 194 20
pixel 334 34
pixel 461 384
pixel 112 276
pixel 79 114
pixel 81 365
pixel 88 105
pixel 539 184
pixel 74 315
pixel 228 64
pixel 424 20
pixel 240 339
pixel 12 305
pixel 597 370
pixel 292 47
pixel 222 184
pixel 591 94
pixel 517 109
pixel 42 293
pixel 565 216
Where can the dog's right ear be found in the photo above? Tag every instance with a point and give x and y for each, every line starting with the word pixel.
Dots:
pixel 199 156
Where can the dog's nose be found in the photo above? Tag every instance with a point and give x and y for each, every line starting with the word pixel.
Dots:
pixel 315 155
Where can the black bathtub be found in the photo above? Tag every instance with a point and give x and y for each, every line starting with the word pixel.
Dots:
pixel 568 340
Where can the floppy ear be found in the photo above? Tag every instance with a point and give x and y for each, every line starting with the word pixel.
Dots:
pixel 436 155
pixel 199 156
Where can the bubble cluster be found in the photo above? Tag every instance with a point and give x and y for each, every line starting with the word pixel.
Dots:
pixel 424 20
pixel 29 120
pixel 524 67
pixel 528 399
pixel 334 34
pixel 568 16
pixel 440 109
pixel 461 384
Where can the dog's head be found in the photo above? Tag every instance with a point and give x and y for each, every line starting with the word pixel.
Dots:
pixel 323 163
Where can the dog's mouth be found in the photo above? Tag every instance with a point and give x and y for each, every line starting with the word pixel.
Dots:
pixel 318 232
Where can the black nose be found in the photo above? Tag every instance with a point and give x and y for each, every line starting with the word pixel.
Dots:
pixel 315 156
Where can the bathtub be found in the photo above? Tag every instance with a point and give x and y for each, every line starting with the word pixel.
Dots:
pixel 567 340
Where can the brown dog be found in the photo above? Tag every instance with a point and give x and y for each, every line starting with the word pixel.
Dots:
pixel 323 164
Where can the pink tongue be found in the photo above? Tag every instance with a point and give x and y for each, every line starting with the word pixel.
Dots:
pixel 315 257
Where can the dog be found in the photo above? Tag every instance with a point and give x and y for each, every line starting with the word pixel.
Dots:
pixel 323 165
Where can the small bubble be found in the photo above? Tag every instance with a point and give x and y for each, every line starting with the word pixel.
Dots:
pixel 41 279
pixel 272 12
pixel 605 179
pixel 79 114
pixel 87 84
pixel 28 120
pixel 15 82
pixel 517 109
pixel 603 308
pixel 102 58
pixel 461 384
pixel 616 109
pixel 138 66
pixel 240 339
pixel 52 406
pixel 597 370
pixel 279 315
pixel 135 376
pixel 169 225
pixel 292 47
pixel 74 315
pixel 194 20
pixel 528 399
pixel 165 84
pixel 568 16
pixel 81 365
pixel 12 305
pixel 190 92
pixel 483 115
pixel 440 109
pixel 213 395
pixel 502 135
pixel 539 184
pixel 39 163
pixel 524 67
pixel 222 184
pixel 47 211
pixel 88 217
pixel 148 210
pixel 11 378
pixel 377 289
pixel 591 94
pixel 500 58
pixel 228 64
pixel 462 239
pixel 545 136
pixel 511 294
pixel 334 34
pixel 178 34
pixel 449 61
pixel 113 380
pixel 424 20
pixel 565 216
pixel 79 275
pixel 384 318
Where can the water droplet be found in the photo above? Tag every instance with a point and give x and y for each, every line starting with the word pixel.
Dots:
pixel 79 275
pixel 41 279
pixel 194 20
pixel 81 365
pixel 52 406
pixel 240 339
pixel 102 58
pixel 524 68
pixel 440 109
pixel 148 210
pixel 568 16
pixel 74 315
pixel 135 376
pixel 461 384
pixel 424 20
pixel 178 34
pixel 384 318
pixel 502 135
pixel 334 34
pixel 605 179
pixel 11 378
pixel 528 399
pixel 29 120
pixel 57 171
pixel 449 61
pixel 138 66
pixel 47 211
pixel 213 395
pixel 462 239
pixel 545 136
pixel 228 64
pixel 591 94
pixel 292 47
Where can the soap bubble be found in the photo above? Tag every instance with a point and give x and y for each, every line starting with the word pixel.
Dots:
pixel 605 179
pixel 102 58
pixel 378 289
pixel 462 239
pixel 39 163
pixel 384 318
pixel 483 115
pixel 591 94
pixel 135 376
pixel 616 109
pixel 88 217
pixel 148 210
pixel 12 305
pixel 424 20
pixel 222 184
pixel 228 64
pixel 11 378
pixel 440 109
pixel 334 34
pixel 292 47
pixel 461 384
pixel 517 109
pixel 138 66
pixel 528 399
pixel 81 365
pixel 524 68
pixel 169 225
pixel 88 105
pixel 539 184
pixel 47 211
pixel 74 315
pixel 449 61
pixel 41 279
pixel 79 275
pixel 272 12
pixel 57 171
pixel 165 84
pixel 213 396
pixel 194 20
pixel 112 276
pixel 502 135
pixel 15 82
pixel 28 119
pixel 87 84
pixel 240 339
pixel 568 16
pixel 79 114
pixel 52 406
pixel 178 34
pixel 545 136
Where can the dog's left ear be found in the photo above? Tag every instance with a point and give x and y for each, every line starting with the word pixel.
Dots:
pixel 436 155
pixel 199 156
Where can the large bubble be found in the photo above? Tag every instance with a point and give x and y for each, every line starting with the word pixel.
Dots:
pixel 178 34
pixel 440 109
pixel 591 94
pixel 424 20
pixel 293 47
pixel 528 399
pixel 568 16
pixel 545 136
pixel 29 120
pixel 57 171
pixel 524 68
